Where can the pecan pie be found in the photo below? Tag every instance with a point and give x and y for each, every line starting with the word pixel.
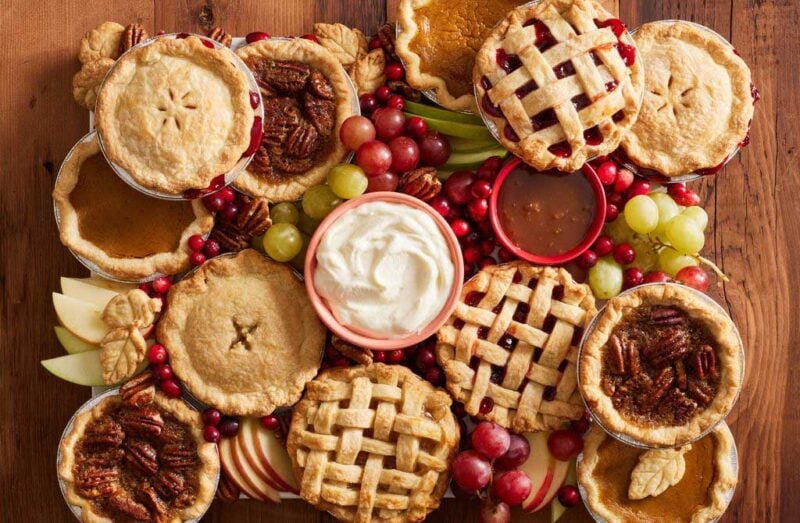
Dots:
pixel 373 443
pixel 510 349
pixel 701 495
pixel 661 365
pixel 561 81
pixel 307 96
pixel 242 334
pixel 698 100
pixel 141 461
pixel 122 232
pixel 175 114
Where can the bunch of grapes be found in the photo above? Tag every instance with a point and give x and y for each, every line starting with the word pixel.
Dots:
pixel 653 234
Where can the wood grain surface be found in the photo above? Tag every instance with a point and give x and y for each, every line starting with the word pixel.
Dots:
pixel 753 234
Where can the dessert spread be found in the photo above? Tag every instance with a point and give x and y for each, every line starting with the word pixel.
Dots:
pixel 384 269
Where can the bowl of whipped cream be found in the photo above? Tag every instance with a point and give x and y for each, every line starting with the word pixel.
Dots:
pixel 384 271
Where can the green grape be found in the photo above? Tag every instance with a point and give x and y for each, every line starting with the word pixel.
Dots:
pixel 667 209
pixel 685 235
pixel 284 213
pixel 283 241
pixel 347 181
pixel 257 243
pixel 641 213
pixel 619 231
pixel 299 261
pixel 605 278
pixel 319 201
pixel 307 224
pixel 646 256
pixel 698 215
pixel 671 261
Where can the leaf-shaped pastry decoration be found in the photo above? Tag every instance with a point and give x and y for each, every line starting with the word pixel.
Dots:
pixel 122 350
pixel 346 44
pixel 131 309
pixel 656 471
pixel 367 72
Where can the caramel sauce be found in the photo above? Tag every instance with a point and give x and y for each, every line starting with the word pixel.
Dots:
pixel 122 221
pixel 546 213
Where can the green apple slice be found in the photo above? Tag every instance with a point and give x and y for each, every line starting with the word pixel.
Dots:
pixel 460 129
pixel 81 318
pixel 465 145
pixel 83 290
pixel 427 111
pixel 71 343
pixel 469 161
pixel 99 281
pixel 82 368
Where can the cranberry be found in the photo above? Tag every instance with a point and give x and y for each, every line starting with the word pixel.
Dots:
pixel 341 362
pixel 607 172
pixel 624 254
pixel 163 372
pixel 270 422
pixel 505 255
pixel 569 495
pixel 688 198
pixel 161 284
pixel 196 242
pixel 616 198
pixel 564 444
pixel 478 209
pixel 637 188
pixel 425 359
pixel 624 180
pixel 581 425
pixel 382 93
pixel 396 102
pixel 212 248
pixel 471 254
pixel 197 259
pixel 588 259
pixel 255 36
pixel 229 212
pixel 394 71
pixel 157 354
pixel 487 404
pixel 213 203
pixel 368 102
pixel 379 356
pixel 416 127
pixel 603 245
pixel 481 189
pixel 171 388
pixel 311 38
pixel 374 43
pixel 460 227
pixel 458 187
pixel 441 205
pixel 612 212
pixel 211 417
pixel 216 183
pixel 211 434
pixel 489 168
pixel 396 356
pixel 486 261
pixel 229 427
pixel 632 277
pixel 434 375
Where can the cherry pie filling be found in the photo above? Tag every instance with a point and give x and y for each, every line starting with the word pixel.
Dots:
pixel 660 366
pixel 544 41
pixel 137 464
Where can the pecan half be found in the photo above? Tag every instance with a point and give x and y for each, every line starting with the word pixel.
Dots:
pixel 677 406
pixel 403 89
pixel 671 346
pixel 185 499
pixel 169 483
pixel 286 77
pixel 616 355
pixel 220 35
pixel 701 392
pixel 143 421
pixel 661 385
pixel 421 183
pixel 666 316
pixel 704 363
pixel 302 142
pixel 322 113
pixel 139 390
pixel 123 503
pixel 253 219
pixel 281 115
pixel 229 237
pixel 680 374
pixel 94 482
pixel 156 504
pixel 104 433
pixel 142 456
pixel 386 34
pixel 227 491
pixel 320 87
pixel 178 456
pixel 261 164
pixel 131 36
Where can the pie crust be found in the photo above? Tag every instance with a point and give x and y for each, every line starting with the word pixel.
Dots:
pixel 134 207
pixel 207 471
pixel 242 334
pixel 596 484
pixel 729 365
pixel 697 104
pixel 319 59
pixel 522 322
pixel 175 114
pixel 557 97
pixel 373 443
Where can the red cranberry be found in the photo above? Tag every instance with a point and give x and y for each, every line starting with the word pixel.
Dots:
pixel 214 203
pixel 393 71
pixel 481 189
pixel 161 284
pixel 270 422
pixel 624 254
pixel 211 434
pixel 612 212
pixel 211 417
pixel 487 404
pixel 374 43
pixel 616 198
pixel 229 427
pixel 607 172
pixel 623 181
pixel 382 93
pixel 310 37
pixel 489 168
pixel 255 36
pixel 581 425
pixel 478 209
pixel 425 359
pixel 212 248
pixel 441 205
pixel 588 259
pixel 638 187
pixel 460 227
pixel 505 255
pixel 396 102
pixel 171 388
pixel 146 288
pixel 197 259
pixel 341 362
pixel 196 242
pixel 676 189
pixel 416 127
pixel 688 198
pixel 486 261
pixel 163 372
pixel 229 212
pixel 368 103
pixel 603 245
pixel 434 375
pixel 396 356
pixel 227 194
pixel 157 354
pixel 632 277
pixel 472 254
pixel 379 356
pixel 569 496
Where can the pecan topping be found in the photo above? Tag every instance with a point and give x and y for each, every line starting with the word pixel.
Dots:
pixel 169 483
pixel 292 165
pixel 701 392
pixel 133 35
pixel 403 89
pixel 661 385
pixel 185 498
pixel 680 374
pixel 386 34
pixel 359 355
pixel 142 455
pixel 104 433
pixel 704 363
pixel 94 481
pixel 220 35
pixel 227 491
pixel 123 503
pixel 286 77
pixel 421 183
pixel 144 421
pixel 253 219
pixel 177 456
pixel 106 459
pixel 677 407
pixel 302 142
pixel 261 164
pixel 152 500
pixel 671 346
pixel 320 87
pixel 322 113
pixel 666 316
pixel 281 115
pixel 139 390
pixel 624 356
pixel 229 237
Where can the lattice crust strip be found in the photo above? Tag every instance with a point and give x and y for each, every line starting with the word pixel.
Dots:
pixel 525 321
pixel 373 442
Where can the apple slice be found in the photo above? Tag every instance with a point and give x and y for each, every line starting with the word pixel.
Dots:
pixel 246 444
pixel 82 368
pixel 465 145
pixel 556 508
pixel 71 343
pixel 427 111
pixel 471 160
pixel 273 455
pixel 231 469
pixel 459 129
pixel 249 475
pixel 546 472
pixel 99 281
pixel 81 318
pixel 82 290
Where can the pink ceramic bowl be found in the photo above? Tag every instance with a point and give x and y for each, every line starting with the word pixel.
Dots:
pixel 587 241
pixel 377 342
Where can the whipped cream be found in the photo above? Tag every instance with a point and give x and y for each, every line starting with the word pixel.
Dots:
pixel 384 269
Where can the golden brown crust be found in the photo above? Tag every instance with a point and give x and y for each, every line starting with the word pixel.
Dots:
pixel 175 114
pixel 242 334
pixel 131 269
pixel 86 82
pixel 101 42
pixel 730 364
pixel 316 56
pixel 697 100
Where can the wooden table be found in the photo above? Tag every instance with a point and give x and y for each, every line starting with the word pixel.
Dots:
pixel 753 232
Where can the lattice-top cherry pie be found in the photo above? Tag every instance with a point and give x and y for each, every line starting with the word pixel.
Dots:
pixel 510 349
pixel 561 81
pixel 373 444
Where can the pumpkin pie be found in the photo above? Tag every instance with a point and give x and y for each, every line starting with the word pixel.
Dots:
pixel 242 334
pixel 695 481
pixel 438 40
pixel 117 229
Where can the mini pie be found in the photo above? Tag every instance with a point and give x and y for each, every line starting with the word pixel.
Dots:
pixel 139 461
pixel 127 235
pixel 698 101
pixel 661 365
pixel 700 496
pixel 562 82
pixel 175 114
pixel 242 334
pixel 438 41
pixel 510 349
pixel 373 444
pixel 307 96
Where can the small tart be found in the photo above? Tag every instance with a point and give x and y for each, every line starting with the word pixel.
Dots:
pixel 661 365
pixel 242 334
pixel 175 114
pixel 127 234
pixel 605 470
pixel 438 41
pixel 307 96
pixel 121 462
pixel 697 105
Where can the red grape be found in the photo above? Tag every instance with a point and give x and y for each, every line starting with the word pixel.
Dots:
pixel 624 254
pixel 607 172
pixel 458 187
pixel 425 359
pixel 471 470
pixel 564 444
pixel 374 43
pixel 603 245
pixel 694 277
pixel 637 188
pixel 416 127
pixel 478 209
pixel 518 451
pixel 355 131
pixel 632 277
pixel 656 277
pixel 441 205
pixel 434 149
pixel 494 512
pixel 490 439
pixel 512 487
pixel 389 123
pixel 374 157
pixel 405 154
pixel 383 182
pixel 623 181
pixel 588 259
